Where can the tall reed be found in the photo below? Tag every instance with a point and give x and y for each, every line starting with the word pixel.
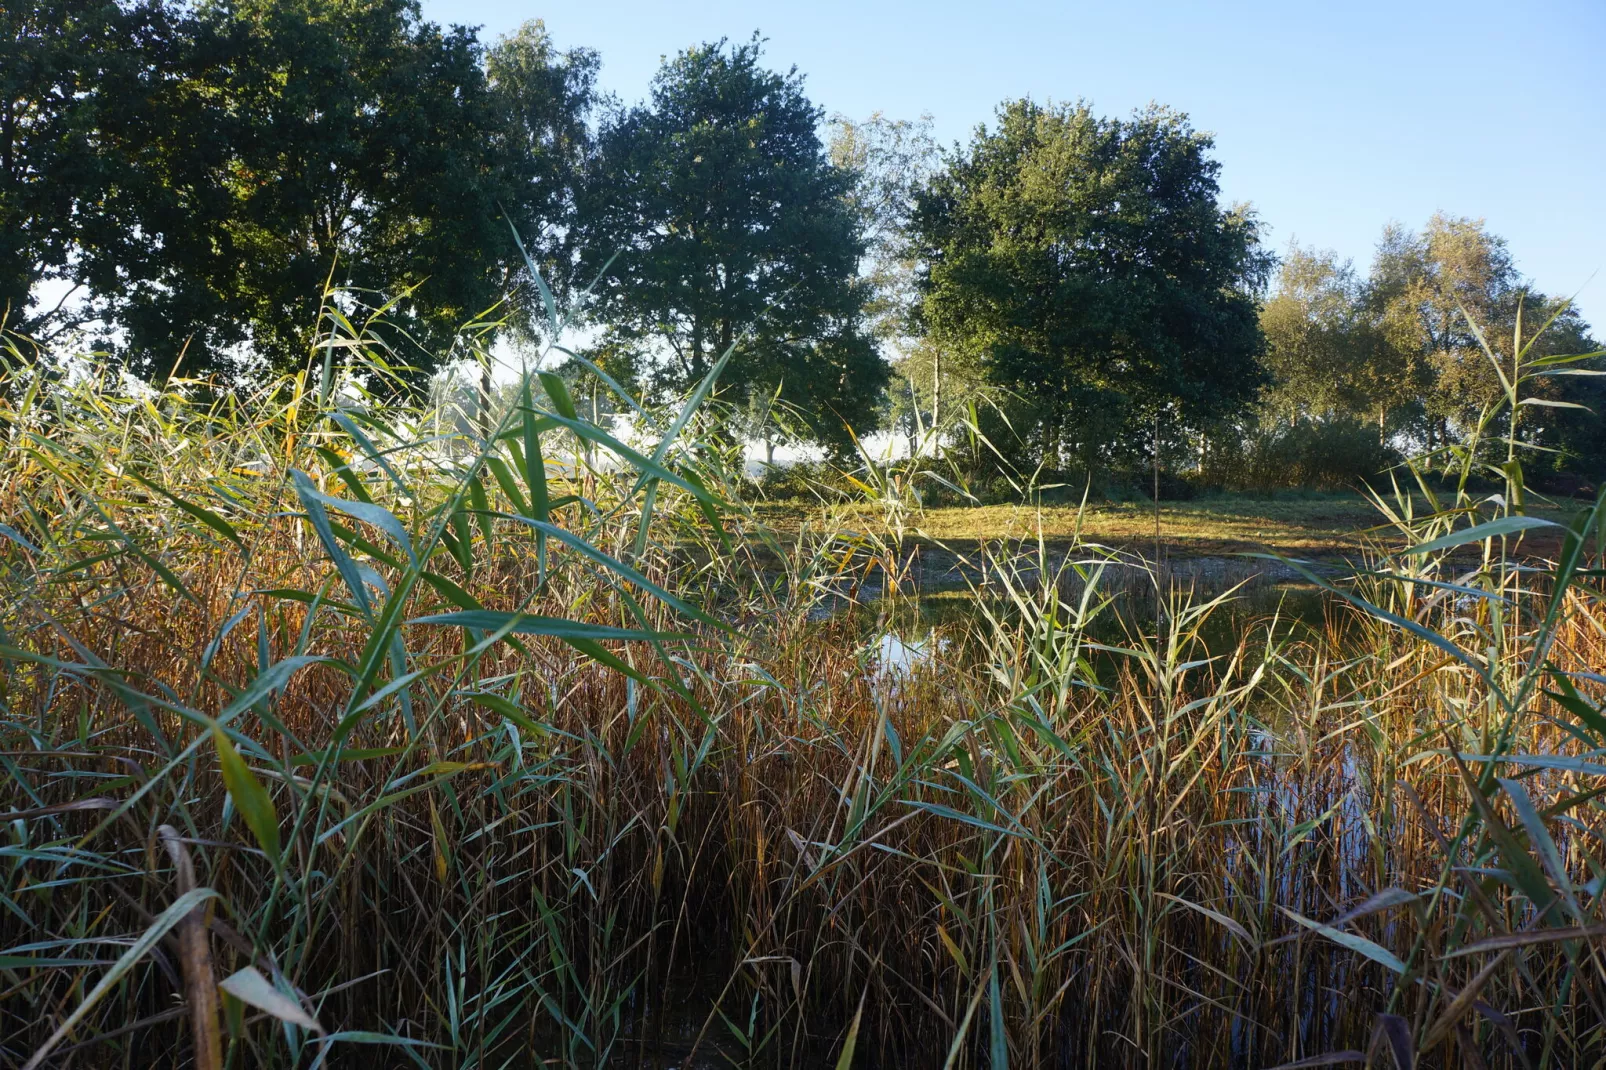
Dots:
pixel 513 743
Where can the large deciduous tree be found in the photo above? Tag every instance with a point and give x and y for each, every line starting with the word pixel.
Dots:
pixel 209 168
pixel 76 81
pixel 1433 292
pixel 1087 266
pixel 728 225
pixel 359 138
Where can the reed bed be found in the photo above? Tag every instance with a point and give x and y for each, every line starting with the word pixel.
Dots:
pixel 331 737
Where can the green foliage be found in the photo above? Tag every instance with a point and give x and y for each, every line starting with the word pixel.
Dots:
pixel 1326 356
pixel 1398 350
pixel 733 229
pixel 1331 454
pixel 890 159
pixel 805 482
pixel 1065 293
pixel 1428 289
pixel 1086 266
pixel 219 163
pixel 75 79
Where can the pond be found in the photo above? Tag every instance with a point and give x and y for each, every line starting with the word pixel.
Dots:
pixel 904 632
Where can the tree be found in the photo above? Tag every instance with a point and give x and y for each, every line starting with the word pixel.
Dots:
pixel 363 140
pixel 544 98
pixel 1086 266
pixel 1434 291
pixel 73 74
pixel 731 227
pixel 1326 353
pixel 248 152
pixel 1423 289
pixel 1571 439
pixel 1400 350
pixel 892 160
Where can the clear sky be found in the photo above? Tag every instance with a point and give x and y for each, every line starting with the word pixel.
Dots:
pixel 1332 119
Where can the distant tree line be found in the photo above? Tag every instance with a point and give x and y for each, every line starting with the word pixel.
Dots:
pixel 1396 351
pixel 178 183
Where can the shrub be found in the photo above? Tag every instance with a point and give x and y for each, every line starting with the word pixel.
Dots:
pixel 1308 454
pixel 802 481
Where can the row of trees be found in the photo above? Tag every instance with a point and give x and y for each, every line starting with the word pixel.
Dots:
pixel 1083 275
pixel 178 182
pixel 1397 349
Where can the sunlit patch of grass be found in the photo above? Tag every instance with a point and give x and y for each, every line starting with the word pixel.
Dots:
pixel 1328 526
pixel 1324 527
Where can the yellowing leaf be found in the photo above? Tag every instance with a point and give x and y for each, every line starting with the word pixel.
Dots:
pixel 251 799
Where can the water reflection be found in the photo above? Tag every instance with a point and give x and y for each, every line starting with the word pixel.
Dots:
pixel 906 631
pixel 900 655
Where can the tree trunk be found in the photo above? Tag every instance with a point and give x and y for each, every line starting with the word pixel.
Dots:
pixel 699 366
pixel 485 399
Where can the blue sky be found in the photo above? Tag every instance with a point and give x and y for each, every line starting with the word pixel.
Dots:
pixel 1331 118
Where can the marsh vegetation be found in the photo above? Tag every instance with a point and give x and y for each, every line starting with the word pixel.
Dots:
pixel 1164 654
pixel 323 730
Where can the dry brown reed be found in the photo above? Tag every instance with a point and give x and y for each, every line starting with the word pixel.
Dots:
pixel 1042 846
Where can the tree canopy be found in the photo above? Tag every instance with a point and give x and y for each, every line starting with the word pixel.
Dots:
pixel 203 171
pixel 1327 354
pixel 1086 266
pixel 181 181
pixel 75 136
pixel 728 225
pixel 1399 348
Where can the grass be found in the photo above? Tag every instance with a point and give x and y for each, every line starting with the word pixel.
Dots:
pixel 327 741
pixel 1325 527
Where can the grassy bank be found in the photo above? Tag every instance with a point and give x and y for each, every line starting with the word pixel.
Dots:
pixel 329 740
pixel 1319 526
pixel 1325 527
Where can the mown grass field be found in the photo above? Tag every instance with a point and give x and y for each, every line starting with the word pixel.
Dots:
pixel 1315 527
pixel 1324 527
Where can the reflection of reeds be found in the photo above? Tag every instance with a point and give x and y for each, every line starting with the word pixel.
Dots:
pixel 598 847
